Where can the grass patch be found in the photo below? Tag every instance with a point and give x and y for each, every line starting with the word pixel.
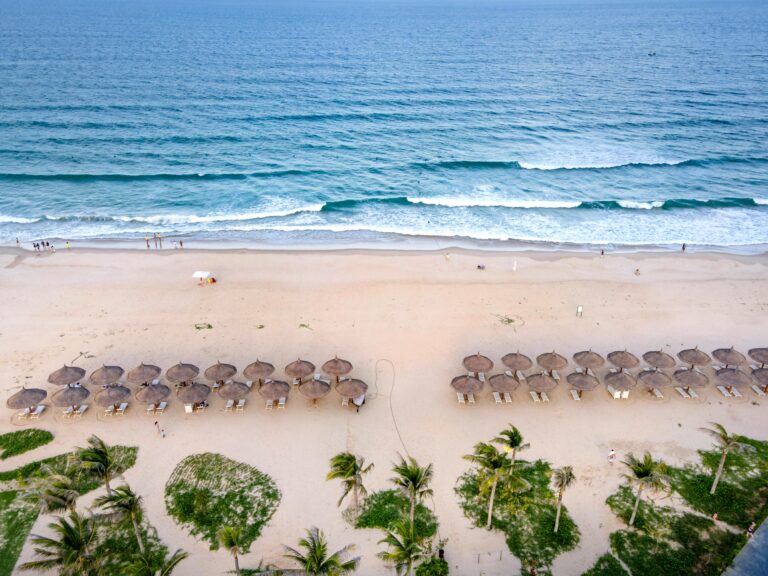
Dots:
pixel 208 491
pixel 526 517
pixel 384 508
pixel 15 443
pixel 606 565
pixel 16 519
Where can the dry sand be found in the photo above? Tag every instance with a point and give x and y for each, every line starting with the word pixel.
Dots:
pixel 405 320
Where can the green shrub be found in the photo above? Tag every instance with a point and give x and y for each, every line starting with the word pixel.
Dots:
pixel 16 519
pixel 384 508
pixel 15 443
pixel 606 565
pixel 433 567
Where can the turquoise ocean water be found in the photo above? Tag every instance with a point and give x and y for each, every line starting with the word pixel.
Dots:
pixel 316 122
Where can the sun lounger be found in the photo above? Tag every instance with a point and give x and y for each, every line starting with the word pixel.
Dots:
pixel 67 412
pixel 229 405
pixel 296 381
pixel 758 390
pixel 24 414
pixel 555 375
pixel 497 397
pixel 509 373
pixel 624 394
pixel 613 392
pixel 735 392
pixel 281 402
pixel 724 392
pixel 240 406
pixel 151 408
pixel 161 407
pixel 613 370
pixel 216 385
pixel 39 409
pixel 575 395
pixel 507 397
pixel 249 383
pixel 535 397
pixel 718 367
pixel 460 397
pixel 682 392
pixel 80 411
pixel 121 410
pixel 544 397
pixel 481 376
pixel 109 410
pixel 471 398
pixel 269 404
pixel 188 408
pixel 155 382
pixel 344 402
pixel 692 393
pixel 754 366
pixel 589 371
pixel 579 311
pixel 520 375
pixel 200 408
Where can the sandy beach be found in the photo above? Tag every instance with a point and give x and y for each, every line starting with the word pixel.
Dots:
pixel 405 320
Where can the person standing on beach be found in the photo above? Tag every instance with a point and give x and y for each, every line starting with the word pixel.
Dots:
pixel 17 242
pixel 611 456
pixel 181 244
pixel 160 239
pixel 146 239
pixel 66 245
pixel 683 246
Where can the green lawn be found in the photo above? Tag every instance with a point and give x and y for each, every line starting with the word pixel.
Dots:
pixel 16 520
pixel 384 508
pixel 15 443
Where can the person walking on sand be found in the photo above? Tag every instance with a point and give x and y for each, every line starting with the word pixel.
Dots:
pixel 611 456
pixel 17 242
pixel 157 426
pixel 146 239
pixel 154 236
pixel 181 244
pixel 683 246
pixel 66 245
pixel 160 239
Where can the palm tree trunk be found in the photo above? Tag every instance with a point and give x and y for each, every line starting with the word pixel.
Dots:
pixel 637 505
pixel 413 510
pixel 559 506
pixel 719 472
pixel 106 483
pixel 514 455
pixel 354 497
pixel 137 533
pixel 237 565
pixel 490 504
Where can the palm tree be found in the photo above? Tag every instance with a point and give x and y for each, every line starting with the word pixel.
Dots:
pixel 562 478
pixel 123 500
pixel 99 458
pixel 316 560
pixel 404 549
pixel 53 492
pixel 413 481
pixel 148 565
pixel 512 441
pixel 350 469
pixel 493 466
pixel 645 474
pixel 231 539
pixel 69 550
pixel 725 443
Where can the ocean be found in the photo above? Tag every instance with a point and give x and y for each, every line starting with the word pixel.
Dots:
pixel 373 122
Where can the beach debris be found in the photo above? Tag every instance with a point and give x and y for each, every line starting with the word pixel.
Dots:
pixel 203 326
pixel 307 326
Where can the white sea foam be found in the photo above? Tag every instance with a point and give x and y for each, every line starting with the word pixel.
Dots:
pixel 17 220
pixel 761 201
pixel 195 219
pixel 636 205
pixel 590 166
pixel 492 203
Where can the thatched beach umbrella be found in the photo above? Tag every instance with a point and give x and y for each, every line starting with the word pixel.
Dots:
pixel 759 355
pixel 153 393
pixel 106 375
pixel 143 373
pixel 582 381
pixel 182 372
pixel 300 369
pixel 690 378
pixel 258 370
pixel 729 356
pixel 516 361
pixel 219 372
pixel 659 359
pixel 732 377
pixel 466 385
pixel 623 359
pixel 351 388
pixel 477 363
pixel 761 375
pixel 589 359
pixel 551 361
pixel 503 383
pixel 66 375
pixel 26 398
pixel 233 391
pixel 694 357
pixel 337 367
pixel 193 393
pixel 315 389
pixel 541 382
pixel 654 379
pixel 274 389
pixel 73 396
pixel 620 381
pixel 112 395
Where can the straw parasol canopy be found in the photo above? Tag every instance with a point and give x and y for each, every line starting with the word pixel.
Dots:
pixel 106 375
pixel 694 357
pixel 143 373
pixel 503 383
pixel 541 382
pixel 182 372
pixel 351 388
pixel 623 359
pixel 516 361
pixel 153 394
pixel 466 385
pixel 25 398
pixel 761 375
pixel 654 379
pixel 219 372
pixel 477 363
pixel 194 393
pixel 691 378
pixel 314 389
pixel 588 359
pixel 337 367
pixel 620 381
pixel 729 356
pixel 70 396
pixel 274 389
pixel 300 369
pixel 551 361
pixel 233 391
pixel 659 359
pixel 732 377
pixel 112 395
pixel 66 375
pixel 759 355
pixel 258 370
pixel 581 381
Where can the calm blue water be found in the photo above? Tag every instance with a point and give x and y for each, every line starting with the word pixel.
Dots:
pixel 319 121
